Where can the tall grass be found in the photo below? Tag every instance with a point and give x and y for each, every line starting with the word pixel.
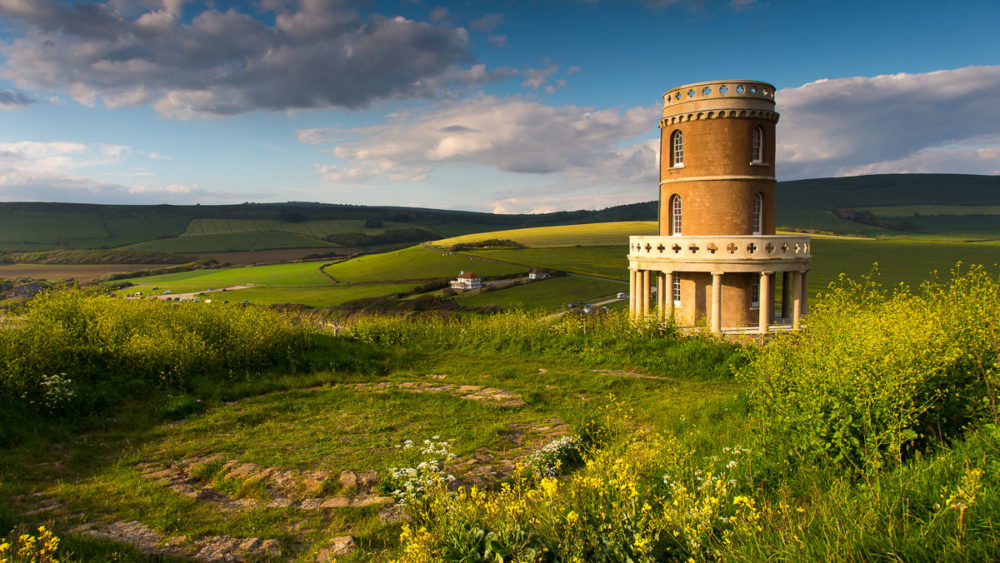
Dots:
pixel 873 435
pixel 71 352
pixel 610 339
pixel 880 373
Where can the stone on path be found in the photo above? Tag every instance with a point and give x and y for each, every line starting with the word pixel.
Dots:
pixel 338 547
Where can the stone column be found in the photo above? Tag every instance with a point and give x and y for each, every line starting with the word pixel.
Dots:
pixel 764 303
pixel 645 293
pixel 805 292
pixel 631 291
pixel 797 301
pixel 716 302
pixel 661 295
pixel 670 292
pixel 786 280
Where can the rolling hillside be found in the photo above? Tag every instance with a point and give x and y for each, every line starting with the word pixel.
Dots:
pixel 942 206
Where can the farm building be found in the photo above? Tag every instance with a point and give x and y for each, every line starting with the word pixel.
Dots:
pixel 717 255
pixel 467 281
pixel 537 274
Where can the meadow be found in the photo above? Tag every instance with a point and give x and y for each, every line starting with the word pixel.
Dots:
pixel 326 284
pixel 552 293
pixel 873 434
pixel 598 234
pixel 231 242
pixel 414 263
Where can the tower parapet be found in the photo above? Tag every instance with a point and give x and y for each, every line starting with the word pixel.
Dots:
pixel 717 252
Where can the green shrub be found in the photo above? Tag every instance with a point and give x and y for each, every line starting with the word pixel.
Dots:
pixel 877 373
pixel 610 339
pixel 110 347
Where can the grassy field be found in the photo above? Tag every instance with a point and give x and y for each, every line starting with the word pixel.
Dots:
pixel 595 234
pixel 21 230
pixel 907 261
pixel 231 242
pixel 311 229
pixel 413 263
pixel 899 261
pixel 551 293
pixel 723 445
pixel 604 261
pixel 295 274
pixel 914 210
pixel 325 421
pixel 314 296
pixel 82 273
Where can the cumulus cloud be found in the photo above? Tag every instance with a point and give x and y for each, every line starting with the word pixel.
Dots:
pixel 581 148
pixel 212 63
pixel 55 171
pixel 535 78
pixel 489 22
pixel 13 99
pixel 944 121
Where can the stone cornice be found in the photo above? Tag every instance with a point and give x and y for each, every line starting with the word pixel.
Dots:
pixel 716 179
pixel 727 113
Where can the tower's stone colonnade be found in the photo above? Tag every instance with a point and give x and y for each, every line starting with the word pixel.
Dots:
pixel 717 254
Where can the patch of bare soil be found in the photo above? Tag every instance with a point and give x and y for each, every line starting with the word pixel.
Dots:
pixel 209 548
pixel 284 488
pixel 489 395
pixel 625 373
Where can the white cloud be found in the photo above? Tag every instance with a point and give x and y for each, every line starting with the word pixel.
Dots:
pixel 535 78
pixel 212 63
pixel 55 171
pixel 575 148
pixel 943 121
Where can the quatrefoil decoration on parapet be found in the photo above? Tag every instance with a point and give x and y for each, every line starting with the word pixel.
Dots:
pixel 693 248
pixel 712 247
pixel 649 247
pixel 784 247
pixel 661 248
pixel 676 248
pixel 751 248
pixel 732 248
pixel 769 248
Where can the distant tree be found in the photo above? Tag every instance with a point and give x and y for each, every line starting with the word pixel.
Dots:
pixel 292 216
pixel 373 224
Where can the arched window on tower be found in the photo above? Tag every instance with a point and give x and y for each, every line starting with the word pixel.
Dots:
pixel 675 215
pixel 757 219
pixel 676 290
pixel 757 151
pixel 677 148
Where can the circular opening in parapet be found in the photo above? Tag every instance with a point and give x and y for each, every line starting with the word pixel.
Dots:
pixel 723 90
pixel 706 91
pixel 739 89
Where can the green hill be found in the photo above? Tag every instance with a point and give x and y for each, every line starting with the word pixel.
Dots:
pixel 955 206
pixel 252 226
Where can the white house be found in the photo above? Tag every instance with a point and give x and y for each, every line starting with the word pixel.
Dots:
pixel 466 281
pixel 537 274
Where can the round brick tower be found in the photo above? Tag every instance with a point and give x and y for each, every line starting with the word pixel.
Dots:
pixel 717 253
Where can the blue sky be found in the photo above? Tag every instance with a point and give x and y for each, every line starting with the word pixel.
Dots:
pixel 506 105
